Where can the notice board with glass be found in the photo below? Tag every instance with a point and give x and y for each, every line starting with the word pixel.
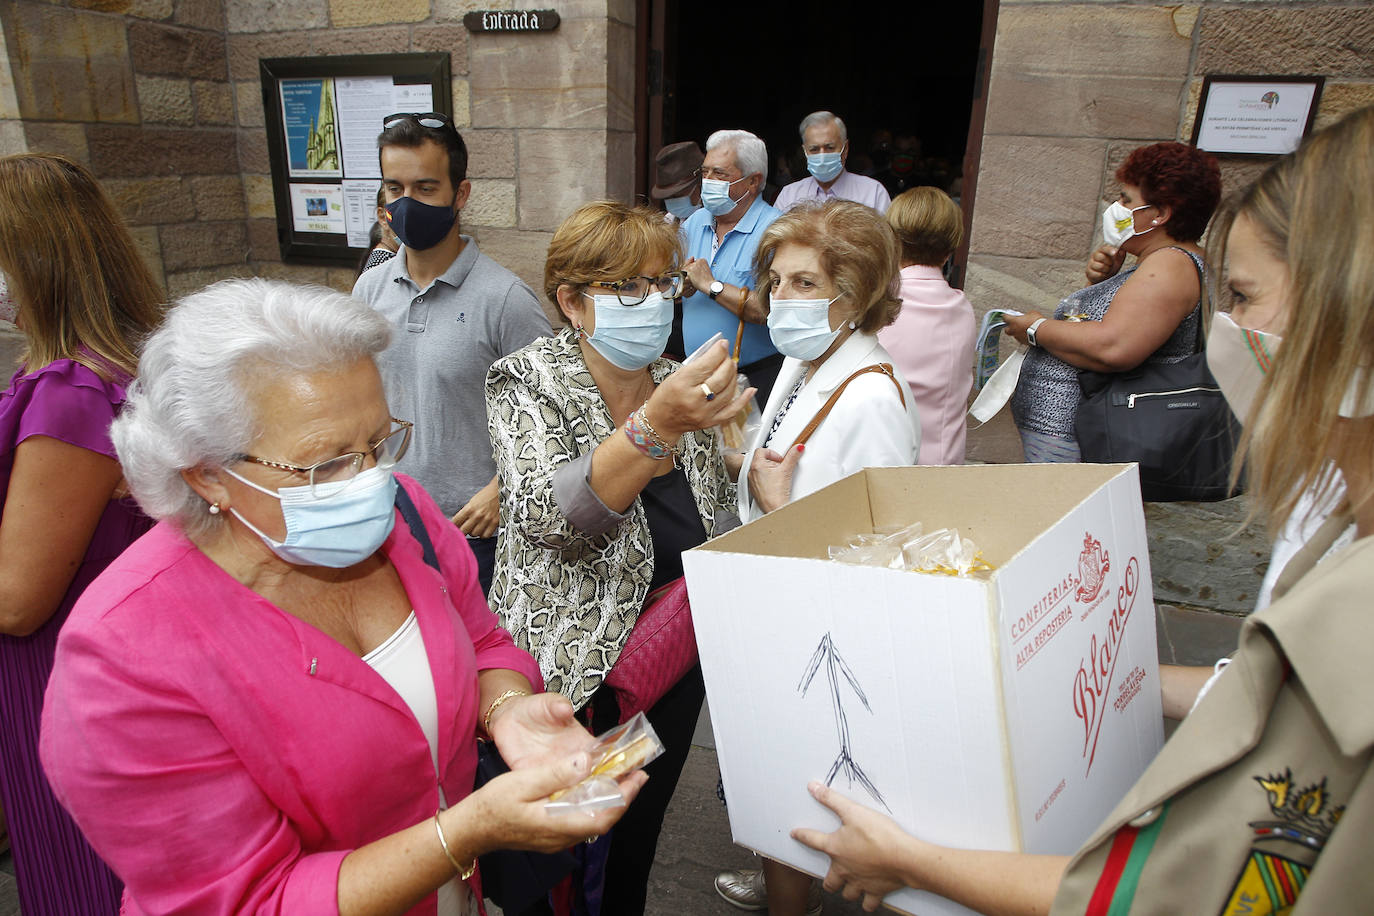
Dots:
pixel 323 116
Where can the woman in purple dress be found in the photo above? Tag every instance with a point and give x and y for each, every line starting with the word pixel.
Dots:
pixel 73 282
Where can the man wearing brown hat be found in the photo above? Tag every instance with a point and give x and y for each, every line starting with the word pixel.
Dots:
pixel 677 185
pixel 676 182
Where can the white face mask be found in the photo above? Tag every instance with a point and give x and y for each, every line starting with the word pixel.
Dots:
pixel 1118 223
pixel 800 328
pixel 1239 359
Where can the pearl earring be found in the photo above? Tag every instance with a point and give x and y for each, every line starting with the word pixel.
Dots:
pixel 852 325
pixel 214 508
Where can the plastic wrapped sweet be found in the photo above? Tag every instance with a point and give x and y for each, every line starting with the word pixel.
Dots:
pixel 943 551
pixel 621 750
pixel 883 547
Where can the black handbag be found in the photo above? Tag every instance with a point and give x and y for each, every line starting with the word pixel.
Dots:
pixel 1170 418
pixel 514 879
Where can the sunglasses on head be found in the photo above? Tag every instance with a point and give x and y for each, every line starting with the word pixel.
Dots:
pixel 432 119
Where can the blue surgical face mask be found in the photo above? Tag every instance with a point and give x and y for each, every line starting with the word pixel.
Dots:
pixel 631 336
pixel 824 166
pixel 715 195
pixel 340 524
pixel 800 328
pixel 681 207
pixel 418 225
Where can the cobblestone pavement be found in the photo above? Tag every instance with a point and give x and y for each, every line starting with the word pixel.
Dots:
pixel 9 895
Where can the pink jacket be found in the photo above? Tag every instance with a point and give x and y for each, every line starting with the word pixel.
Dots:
pixel 931 344
pixel 223 756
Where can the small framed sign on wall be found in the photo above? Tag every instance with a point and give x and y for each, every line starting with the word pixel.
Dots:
pixel 323 116
pixel 1256 115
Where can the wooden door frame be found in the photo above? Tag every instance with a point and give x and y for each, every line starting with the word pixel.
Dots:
pixel 973 149
pixel 651 32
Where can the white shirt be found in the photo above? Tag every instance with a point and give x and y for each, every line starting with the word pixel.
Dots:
pixel 1299 528
pixel 402 663
pixel 868 427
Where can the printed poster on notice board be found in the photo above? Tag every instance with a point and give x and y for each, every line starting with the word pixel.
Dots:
pixel 317 208
pixel 360 210
pixel 310 121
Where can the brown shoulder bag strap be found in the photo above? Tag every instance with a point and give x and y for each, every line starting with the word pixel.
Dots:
pixel 884 368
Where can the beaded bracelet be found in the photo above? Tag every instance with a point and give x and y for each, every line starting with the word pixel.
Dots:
pixel 641 432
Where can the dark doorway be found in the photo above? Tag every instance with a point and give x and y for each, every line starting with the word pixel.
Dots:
pixel 910 69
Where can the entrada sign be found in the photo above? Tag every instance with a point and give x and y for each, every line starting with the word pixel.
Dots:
pixel 511 20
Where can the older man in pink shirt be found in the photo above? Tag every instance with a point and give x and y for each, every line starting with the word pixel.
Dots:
pixel 825 140
pixel 931 342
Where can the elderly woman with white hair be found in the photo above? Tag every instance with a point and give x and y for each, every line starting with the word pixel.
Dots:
pixel 271 702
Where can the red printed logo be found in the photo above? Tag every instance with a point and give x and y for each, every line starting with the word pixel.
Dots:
pixel 1095 670
pixel 1093 565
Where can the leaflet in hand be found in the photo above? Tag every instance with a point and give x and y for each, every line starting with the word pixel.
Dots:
pixel 986 346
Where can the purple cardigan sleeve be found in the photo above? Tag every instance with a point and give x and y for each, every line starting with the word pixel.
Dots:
pixel 493 645
pixel 173 796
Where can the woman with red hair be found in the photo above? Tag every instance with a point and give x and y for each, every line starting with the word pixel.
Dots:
pixel 1149 312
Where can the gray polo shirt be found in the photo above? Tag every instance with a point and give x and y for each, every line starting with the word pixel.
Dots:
pixel 445 338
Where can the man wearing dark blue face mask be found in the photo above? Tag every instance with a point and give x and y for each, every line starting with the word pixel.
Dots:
pixel 825 141
pixel 453 312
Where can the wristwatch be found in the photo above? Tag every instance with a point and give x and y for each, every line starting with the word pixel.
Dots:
pixel 715 289
pixel 1030 331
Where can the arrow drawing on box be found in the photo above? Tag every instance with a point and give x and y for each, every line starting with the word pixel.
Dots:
pixel 834 667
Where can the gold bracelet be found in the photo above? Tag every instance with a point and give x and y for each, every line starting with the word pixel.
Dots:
pixel 486 720
pixel 464 872
pixel 654 437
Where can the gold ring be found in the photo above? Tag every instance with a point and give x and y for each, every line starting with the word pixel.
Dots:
pixel 707 392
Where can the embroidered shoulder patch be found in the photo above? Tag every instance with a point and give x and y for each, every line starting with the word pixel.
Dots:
pixel 1284 847
pixel 1268 884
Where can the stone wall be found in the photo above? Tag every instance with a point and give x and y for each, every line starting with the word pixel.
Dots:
pixel 137 90
pixel 162 99
pixel 1078 84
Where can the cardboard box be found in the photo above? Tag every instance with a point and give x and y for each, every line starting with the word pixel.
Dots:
pixel 1009 712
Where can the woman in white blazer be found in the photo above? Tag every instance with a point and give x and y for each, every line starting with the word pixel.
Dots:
pixel 827 275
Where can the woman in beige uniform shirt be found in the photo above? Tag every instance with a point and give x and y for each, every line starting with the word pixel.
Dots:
pixel 1262 801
